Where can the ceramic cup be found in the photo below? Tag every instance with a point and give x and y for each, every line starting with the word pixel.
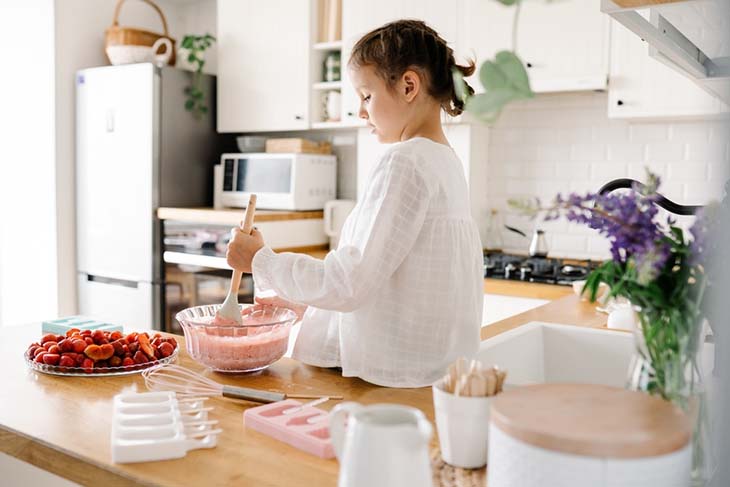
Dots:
pixel 463 427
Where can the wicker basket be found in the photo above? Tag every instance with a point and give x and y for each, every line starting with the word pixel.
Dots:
pixel 128 36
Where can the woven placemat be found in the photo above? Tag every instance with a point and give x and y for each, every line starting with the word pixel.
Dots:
pixel 445 475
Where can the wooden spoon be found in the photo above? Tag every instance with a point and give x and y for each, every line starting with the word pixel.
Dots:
pixel 229 310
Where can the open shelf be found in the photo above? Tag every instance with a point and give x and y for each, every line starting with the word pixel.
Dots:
pixel 328 46
pixel 327 85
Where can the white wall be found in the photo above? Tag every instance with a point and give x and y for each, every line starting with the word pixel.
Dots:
pixel 80 44
pixel 28 259
pixel 563 143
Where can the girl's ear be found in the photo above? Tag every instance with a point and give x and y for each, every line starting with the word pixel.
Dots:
pixel 411 85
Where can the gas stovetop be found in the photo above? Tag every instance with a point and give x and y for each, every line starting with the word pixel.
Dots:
pixel 536 269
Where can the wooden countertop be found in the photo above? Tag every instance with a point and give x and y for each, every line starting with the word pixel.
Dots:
pixel 232 216
pixel 63 424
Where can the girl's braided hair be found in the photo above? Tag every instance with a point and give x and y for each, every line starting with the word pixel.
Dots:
pixel 399 46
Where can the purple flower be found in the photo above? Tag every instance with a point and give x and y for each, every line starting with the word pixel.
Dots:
pixel 628 221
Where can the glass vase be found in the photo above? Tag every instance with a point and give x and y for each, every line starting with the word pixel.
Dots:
pixel 668 363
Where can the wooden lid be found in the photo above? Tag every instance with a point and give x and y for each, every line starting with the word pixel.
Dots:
pixel 591 420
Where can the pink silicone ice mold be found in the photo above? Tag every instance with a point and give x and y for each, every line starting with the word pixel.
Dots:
pixel 294 429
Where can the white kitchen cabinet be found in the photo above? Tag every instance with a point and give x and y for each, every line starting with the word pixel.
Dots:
pixel 263 65
pixel 471 144
pixel 643 87
pixel 564 44
pixel 359 18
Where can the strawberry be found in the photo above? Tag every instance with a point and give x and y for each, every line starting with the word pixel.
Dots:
pixel 51 358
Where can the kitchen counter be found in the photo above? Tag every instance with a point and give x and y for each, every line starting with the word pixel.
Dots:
pixel 232 216
pixel 62 424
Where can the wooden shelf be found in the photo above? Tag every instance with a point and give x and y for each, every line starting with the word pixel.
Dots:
pixel 232 216
pixel 327 85
pixel 328 46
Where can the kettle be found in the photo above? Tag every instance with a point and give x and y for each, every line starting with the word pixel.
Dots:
pixel 538 244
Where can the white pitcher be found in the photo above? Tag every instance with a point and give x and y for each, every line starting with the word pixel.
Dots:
pixel 383 445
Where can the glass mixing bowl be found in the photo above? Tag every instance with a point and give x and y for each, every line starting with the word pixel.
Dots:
pixel 261 340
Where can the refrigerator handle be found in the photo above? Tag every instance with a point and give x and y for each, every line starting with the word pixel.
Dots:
pixel 112 281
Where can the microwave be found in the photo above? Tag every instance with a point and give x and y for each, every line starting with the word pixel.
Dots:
pixel 281 181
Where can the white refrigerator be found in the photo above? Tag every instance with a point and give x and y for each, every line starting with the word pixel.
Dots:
pixel 137 149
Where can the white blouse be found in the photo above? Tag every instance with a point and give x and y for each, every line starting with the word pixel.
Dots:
pixel 401 297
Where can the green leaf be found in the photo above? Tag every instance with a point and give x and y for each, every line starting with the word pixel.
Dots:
pixel 507 2
pixel 506 72
pixel 504 80
pixel 203 109
pixel 191 57
pixel 187 42
pixel 189 104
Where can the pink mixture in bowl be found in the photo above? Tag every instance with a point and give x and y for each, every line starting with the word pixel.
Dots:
pixel 258 342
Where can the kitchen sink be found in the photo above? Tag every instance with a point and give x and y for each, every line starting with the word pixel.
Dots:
pixel 545 352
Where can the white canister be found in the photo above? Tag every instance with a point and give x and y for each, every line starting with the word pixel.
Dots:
pixel 462 423
pixel 335 214
pixel 332 106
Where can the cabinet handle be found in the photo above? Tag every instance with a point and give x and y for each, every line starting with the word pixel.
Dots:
pixel 350 114
pixel 620 102
pixel 529 65
pixel 298 117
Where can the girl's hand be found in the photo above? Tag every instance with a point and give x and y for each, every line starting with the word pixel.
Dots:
pixel 299 309
pixel 242 248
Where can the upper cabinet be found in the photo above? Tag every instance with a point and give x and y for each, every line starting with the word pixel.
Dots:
pixel 564 44
pixel 263 65
pixel 360 17
pixel 642 87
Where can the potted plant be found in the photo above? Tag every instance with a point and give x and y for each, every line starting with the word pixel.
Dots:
pixel 193 55
pixel 661 271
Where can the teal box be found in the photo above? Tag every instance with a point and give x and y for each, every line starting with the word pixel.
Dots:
pixel 61 325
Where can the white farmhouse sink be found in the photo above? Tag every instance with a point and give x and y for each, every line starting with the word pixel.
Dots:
pixel 497 307
pixel 545 352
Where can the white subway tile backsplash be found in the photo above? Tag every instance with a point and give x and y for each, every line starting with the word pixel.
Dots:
pixel 565 244
pixel 638 170
pixel 666 151
pixel 718 171
pixel 605 171
pixel 591 152
pixel 684 171
pixel 650 132
pixel 599 247
pixel 713 151
pixel 557 153
pixel 702 193
pixel 588 150
pixel 573 170
pixel 690 132
pixel 627 152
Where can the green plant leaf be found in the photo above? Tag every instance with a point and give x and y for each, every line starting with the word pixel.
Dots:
pixel 505 72
pixel 191 57
pixel 189 104
pixel 504 80
pixel 507 2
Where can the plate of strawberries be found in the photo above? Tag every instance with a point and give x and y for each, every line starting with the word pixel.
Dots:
pixel 99 352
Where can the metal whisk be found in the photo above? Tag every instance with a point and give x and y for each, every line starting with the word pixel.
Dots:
pixel 171 377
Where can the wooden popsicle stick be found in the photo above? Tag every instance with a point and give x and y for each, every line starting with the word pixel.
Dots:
pixel 313 396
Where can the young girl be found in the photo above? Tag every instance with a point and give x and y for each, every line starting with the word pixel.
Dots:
pixel 401 296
